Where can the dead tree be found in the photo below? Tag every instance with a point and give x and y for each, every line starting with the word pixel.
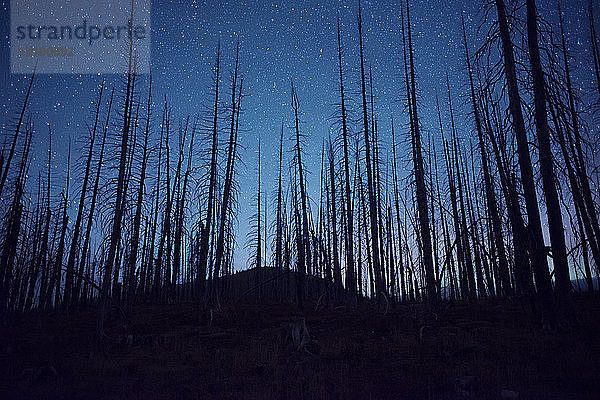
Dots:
pixel 137 219
pixel 463 282
pixel 522 262
pixel 468 266
pixel 553 209
pixel 163 268
pixel 6 164
pixel 279 219
pixel 207 224
pixel 304 244
pixel 379 287
pixel 473 234
pixel 402 293
pixel 419 172
pixel 90 217
pixel 43 258
pixel 155 266
pixel 13 226
pixel 115 237
pixel 587 204
pixel 230 168
pixel 536 239
pixel 58 262
pixel 337 271
pixel 349 237
pixel 76 229
pixel 448 264
pixel 258 256
pixel 180 204
pixel 490 193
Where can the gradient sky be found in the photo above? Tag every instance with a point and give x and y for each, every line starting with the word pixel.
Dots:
pixel 280 40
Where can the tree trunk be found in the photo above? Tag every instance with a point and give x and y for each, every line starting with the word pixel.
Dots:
pixel 421 190
pixel 490 194
pixel 535 237
pixel 379 288
pixel 553 209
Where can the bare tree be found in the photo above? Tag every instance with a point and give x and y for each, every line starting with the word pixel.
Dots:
pixel 553 209
pixel 535 237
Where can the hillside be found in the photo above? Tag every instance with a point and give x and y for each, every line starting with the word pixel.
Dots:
pixel 485 351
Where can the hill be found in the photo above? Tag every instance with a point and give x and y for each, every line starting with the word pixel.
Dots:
pixel 489 350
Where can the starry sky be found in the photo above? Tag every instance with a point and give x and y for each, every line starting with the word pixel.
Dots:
pixel 281 40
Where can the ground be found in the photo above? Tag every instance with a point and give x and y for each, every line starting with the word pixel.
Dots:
pixel 491 350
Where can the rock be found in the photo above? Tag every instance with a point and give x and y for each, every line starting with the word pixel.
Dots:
pixel 465 381
pixel 296 335
pixel 465 385
pixel 48 372
pixel 36 374
pixel 506 394
pixel 27 374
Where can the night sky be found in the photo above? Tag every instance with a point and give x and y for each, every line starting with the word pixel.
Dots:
pixel 281 40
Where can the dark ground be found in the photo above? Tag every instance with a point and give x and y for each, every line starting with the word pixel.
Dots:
pixel 490 350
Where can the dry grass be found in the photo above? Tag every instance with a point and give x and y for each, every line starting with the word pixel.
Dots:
pixel 169 352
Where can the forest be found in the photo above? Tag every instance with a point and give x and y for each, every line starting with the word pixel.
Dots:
pixel 474 275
